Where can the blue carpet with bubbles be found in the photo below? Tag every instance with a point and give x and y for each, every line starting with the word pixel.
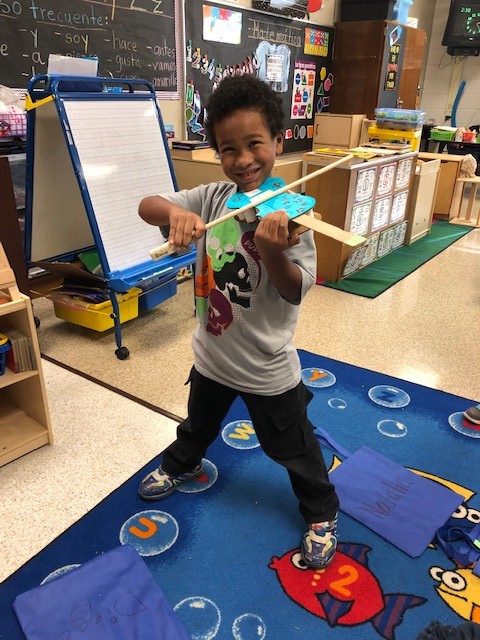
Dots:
pixel 224 549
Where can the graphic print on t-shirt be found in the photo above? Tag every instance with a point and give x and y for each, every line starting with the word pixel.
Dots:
pixel 225 283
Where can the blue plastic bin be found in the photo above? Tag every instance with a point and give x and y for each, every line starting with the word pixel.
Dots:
pixel 152 297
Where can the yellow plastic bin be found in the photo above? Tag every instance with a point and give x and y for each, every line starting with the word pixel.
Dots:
pixel 99 316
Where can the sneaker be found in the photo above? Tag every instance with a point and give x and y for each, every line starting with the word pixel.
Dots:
pixel 473 414
pixel 319 544
pixel 159 484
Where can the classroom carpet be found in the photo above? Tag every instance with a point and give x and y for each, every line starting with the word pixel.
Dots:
pixel 224 548
pixel 379 276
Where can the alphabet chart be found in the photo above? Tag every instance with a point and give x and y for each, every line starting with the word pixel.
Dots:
pixel 399 206
pixel 381 213
pixel 365 185
pixel 386 178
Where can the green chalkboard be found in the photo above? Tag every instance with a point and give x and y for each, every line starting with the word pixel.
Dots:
pixel 294 56
pixel 132 38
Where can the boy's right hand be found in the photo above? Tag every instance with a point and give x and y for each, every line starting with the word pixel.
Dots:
pixel 185 228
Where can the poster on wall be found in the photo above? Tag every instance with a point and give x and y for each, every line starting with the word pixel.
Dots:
pixel 392 67
pixel 303 90
pixel 292 56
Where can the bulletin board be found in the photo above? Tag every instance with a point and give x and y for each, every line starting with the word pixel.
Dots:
pixel 293 56
pixel 131 38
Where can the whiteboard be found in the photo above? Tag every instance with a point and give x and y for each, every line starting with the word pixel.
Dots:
pixel 122 159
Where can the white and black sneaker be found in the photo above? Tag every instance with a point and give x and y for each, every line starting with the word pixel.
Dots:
pixel 158 484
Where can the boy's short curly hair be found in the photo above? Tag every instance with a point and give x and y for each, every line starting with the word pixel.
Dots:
pixel 243 92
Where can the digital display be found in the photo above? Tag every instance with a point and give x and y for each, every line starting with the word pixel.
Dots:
pixel 463 26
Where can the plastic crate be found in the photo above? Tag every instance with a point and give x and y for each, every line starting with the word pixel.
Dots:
pixel 399 118
pixel 4 347
pixel 445 136
pixel 13 125
pixel 404 125
pixel 99 316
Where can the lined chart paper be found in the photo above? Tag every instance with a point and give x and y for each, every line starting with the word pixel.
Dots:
pixel 123 159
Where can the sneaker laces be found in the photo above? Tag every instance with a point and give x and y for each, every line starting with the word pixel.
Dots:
pixel 159 475
pixel 324 534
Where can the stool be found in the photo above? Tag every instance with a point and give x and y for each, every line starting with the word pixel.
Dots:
pixel 467 219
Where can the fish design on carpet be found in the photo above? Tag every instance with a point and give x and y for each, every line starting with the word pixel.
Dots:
pixel 460 590
pixel 345 594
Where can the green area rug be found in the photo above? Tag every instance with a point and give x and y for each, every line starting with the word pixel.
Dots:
pixel 379 276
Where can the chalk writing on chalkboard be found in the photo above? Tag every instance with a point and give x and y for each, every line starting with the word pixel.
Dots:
pixel 131 38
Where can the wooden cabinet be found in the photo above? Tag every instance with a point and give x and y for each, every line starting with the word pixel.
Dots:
pixel 375 64
pixel 447 200
pixel 366 198
pixel 337 130
pixel 204 167
pixel 24 417
pixel 422 200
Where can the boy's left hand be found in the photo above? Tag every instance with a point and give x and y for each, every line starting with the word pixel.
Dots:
pixel 273 236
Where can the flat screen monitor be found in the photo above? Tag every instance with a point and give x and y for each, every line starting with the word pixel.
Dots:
pixel 463 25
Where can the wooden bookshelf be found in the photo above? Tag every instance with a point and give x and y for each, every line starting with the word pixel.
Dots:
pixel 24 417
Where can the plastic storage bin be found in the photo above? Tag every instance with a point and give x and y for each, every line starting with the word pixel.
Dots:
pixel 443 136
pixel 13 125
pixel 399 118
pixel 152 297
pixel 99 316
pixel 4 347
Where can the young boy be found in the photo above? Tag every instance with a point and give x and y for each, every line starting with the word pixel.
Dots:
pixel 251 277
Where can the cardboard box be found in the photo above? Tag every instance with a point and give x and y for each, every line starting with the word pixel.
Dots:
pixel 337 130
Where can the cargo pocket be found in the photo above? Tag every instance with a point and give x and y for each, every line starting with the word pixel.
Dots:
pixel 287 437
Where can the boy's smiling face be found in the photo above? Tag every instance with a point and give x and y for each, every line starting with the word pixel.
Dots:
pixel 246 147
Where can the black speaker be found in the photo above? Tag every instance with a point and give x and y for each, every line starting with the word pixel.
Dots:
pixel 352 10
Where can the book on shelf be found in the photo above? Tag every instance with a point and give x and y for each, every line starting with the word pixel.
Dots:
pixel 20 356
pixel 332 151
pixel 190 145
pixel 374 152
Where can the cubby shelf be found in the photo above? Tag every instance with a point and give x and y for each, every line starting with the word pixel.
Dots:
pixel 24 417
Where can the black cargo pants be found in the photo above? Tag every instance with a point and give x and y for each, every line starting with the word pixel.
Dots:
pixel 282 427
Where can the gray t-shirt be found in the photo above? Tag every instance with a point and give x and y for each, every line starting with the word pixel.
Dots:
pixel 245 334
